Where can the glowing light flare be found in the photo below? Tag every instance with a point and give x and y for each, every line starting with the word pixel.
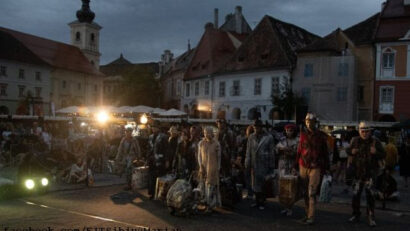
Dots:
pixel 144 119
pixel 29 184
pixel 44 181
pixel 102 117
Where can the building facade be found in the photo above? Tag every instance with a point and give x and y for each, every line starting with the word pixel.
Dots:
pixel 50 75
pixel 392 44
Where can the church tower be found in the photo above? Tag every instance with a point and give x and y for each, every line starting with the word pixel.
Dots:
pixel 85 34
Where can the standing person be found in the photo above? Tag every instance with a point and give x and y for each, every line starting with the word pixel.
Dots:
pixel 392 156
pixel 366 152
pixel 248 181
pixel 192 155
pixel 209 159
pixel 158 143
pixel 179 163
pixel 313 160
pixel 286 150
pixel 341 156
pixel 128 150
pixel 226 140
pixel 172 147
pixel 260 160
pixel 404 161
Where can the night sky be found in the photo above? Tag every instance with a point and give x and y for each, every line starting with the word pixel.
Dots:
pixel 143 29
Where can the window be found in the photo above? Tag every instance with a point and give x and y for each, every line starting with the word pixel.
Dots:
pixel 3 89
pixel 21 73
pixel 79 86
pixel 275 86
pixel 92 37
pixel 196 88
pixel 308 70
pixel 360 95
pixel 306 95
pixel 77 36
pixel 388 60
pixel 206 87
pixel 179 86
pixel 343 69
pixel 38 92
pixel 236 91
pixel 187 89
pixel 3 71
pixel 21 90
pixel 38 76
pixel 386 100
pixel 341 94
pixel 222 89
pixel 257 87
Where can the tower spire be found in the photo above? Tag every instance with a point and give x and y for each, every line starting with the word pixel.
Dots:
pixel 85 14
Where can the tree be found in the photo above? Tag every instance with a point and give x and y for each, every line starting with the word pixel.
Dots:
pixel 287 101
pixel 139 87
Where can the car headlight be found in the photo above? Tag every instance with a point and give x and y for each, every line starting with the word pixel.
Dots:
pixel 44 181
pixel 29 184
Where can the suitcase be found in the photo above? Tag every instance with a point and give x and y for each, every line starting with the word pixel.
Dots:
pixel 139 178
pixel 288 190
pixel 162 186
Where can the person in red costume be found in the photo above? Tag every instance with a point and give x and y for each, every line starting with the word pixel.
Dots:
pixel 312 159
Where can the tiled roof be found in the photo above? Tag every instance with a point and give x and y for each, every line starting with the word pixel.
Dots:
pixel 55 54
pixel 363 32
pixel 328 43
pixel 394 21
pixel 215 48
pixel 122 65
pixel 272 44
pixel 180 63
pixel 13 49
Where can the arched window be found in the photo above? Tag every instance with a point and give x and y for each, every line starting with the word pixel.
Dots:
pixel 236 114
pixel 388 58
pixel 92 37
pixel 77 36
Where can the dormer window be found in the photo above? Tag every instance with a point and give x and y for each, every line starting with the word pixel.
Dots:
pixel 77 36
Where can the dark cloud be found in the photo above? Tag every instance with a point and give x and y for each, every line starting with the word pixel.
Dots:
pixel 142 29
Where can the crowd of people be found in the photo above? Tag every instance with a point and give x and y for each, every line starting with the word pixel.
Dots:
pixel 245 155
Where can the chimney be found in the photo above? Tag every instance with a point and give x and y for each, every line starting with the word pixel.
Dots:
pixel 189 45
pixel 383 5
pixel 406 2
pixel 238 19
pixel 216 18
pixel 209 26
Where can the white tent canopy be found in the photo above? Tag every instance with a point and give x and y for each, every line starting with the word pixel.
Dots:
pixel 142 109
pixel 158 110
pixel 173 112
pixel 69 110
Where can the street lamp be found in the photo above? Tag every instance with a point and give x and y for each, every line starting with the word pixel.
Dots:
pixel 102 117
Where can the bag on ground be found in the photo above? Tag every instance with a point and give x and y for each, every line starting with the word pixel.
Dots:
pixel 326 189
pixel 179 198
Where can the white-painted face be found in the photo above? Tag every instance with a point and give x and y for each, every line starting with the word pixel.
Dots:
pixel 208 133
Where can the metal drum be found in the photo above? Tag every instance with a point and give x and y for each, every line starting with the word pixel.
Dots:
pixel 139 178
